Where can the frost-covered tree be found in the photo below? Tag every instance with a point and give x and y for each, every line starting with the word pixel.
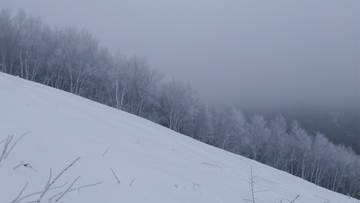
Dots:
pixel 319 158
pixel 343 172
pixel 118 76
pixel 298 148
pixel 257 135
pixel 76 53
pixel 31 44
pixel 275 148
pixel 228 128
pixel 96 87
pixel 176 105
pixel 140 84
pixel 201 128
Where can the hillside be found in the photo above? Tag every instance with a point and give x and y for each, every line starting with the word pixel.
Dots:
pixel 152 163
pixel 340 124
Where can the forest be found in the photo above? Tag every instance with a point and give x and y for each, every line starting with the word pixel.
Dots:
pixel 72 60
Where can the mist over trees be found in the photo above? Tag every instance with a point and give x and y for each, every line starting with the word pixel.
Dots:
pixel 72 60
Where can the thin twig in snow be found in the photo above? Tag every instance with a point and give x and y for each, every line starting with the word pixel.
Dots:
pixel 78 188
pixel 195 184
pixel 18 166
pixel 16 143
pixel 15 200
pixel 8 140
pixel 132 181
pixel 294 199
pixel 27 165
pixel 49 178
pixel 35 193
pixel 49 185
pixel 3 141
pixel 252 183
pixel 106 151
pixel 67 190
pixel 115 175
pixel 212 165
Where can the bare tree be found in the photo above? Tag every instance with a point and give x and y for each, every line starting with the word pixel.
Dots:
pixel 142 82
pixel 229 127
pixel 77 53
pixel 201 128
pixel 257 135
pixel 298 150
pixel 176 104
pixel 275 149
pixel 118 73
pixel 319 158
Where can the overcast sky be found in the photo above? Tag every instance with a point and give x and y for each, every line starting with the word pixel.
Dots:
pixel 260 53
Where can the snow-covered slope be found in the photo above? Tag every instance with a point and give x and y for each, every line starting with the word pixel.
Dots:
pixel 152 163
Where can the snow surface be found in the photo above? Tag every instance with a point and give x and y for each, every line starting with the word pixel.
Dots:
pixel 153 163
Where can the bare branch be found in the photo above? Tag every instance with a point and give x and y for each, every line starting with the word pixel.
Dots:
pixel 132 181
pixel 36 193
pixel 15 143
pixel 106 151
pixel 15 200
pixel 115 175
pixel 252 183
pixel 7 142
pixel 81 187
pixel 195 184
pixel 49 178
pixel 212 165
pixel 67 190
pixel 294 199
pixel 78 188
pixel 287 200
pixel 49 185
pixel 18 166
pixel 3 141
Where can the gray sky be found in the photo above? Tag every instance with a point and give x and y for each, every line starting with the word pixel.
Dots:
pixel 259 53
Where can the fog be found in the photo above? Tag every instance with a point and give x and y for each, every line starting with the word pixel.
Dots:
pixel 251 53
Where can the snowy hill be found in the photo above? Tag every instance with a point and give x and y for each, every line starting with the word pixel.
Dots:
pixel 152 163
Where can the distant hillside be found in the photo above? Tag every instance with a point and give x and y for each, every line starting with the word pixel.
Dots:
pixel 340 125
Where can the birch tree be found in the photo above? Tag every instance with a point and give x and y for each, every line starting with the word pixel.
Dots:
pixel 119 75
pixel 275 149
pixel 139 84
pixel 77 51
pixel 319 158
pixel 202 126
pixel 229 127
pixel 298 150
pixel 257 135
pixel 176 104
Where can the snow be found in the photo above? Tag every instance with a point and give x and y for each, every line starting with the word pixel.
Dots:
pixel 153 163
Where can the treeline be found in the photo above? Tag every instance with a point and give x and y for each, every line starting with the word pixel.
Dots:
pixel 72 60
